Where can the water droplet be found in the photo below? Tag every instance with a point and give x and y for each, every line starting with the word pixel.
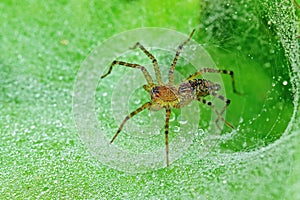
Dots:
pixel 267 119
pixel 137 101
pixel 181 120
pixel 267 65
pixel 200 131
pixel 241 120
pixel 172 117
pixel 284 83
pixel 176 129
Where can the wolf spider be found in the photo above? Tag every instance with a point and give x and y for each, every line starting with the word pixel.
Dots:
pixel 167 95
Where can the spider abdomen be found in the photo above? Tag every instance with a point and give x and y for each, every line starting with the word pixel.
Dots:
pixel 204 87
pixel 186 94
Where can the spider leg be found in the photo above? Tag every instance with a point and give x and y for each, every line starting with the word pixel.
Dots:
pixel 171 71
pixel 154 61
pixel 227 102
pixel 168 113
pixel 210 70
pixel 216 111
pixel 143 107
pixel 137 66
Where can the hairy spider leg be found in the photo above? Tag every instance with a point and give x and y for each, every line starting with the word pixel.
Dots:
pixel 220 71
pixel 171 71
pixel 168 113
pixel 140 109
pixel 137 66
pixel 216 111
pixel 227 102
pixel 154 61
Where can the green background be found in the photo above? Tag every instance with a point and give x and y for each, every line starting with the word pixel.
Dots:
pixel 42 47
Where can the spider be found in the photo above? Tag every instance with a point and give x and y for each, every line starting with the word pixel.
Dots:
pixel 167 95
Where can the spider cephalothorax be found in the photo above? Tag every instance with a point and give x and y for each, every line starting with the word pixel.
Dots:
pixel 167 95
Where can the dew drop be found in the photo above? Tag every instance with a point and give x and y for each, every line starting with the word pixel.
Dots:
pixel 284 83
pixel 267 65
pixel 267 119
pixel 241 120
pixel 137 101
pixel 182 121
pixel 172 117
pixel 176 129
pixel 200 131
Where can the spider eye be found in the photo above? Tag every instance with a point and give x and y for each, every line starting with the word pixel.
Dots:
pixel 155 90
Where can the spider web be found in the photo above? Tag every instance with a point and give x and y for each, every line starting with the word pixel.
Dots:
pixel 247 158
pixel 254 159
